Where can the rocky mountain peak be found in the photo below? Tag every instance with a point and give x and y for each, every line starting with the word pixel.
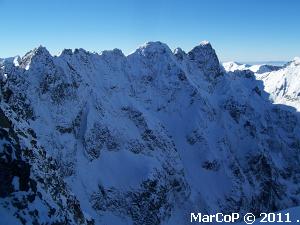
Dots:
pixel 205 57
pixel 66 52
pixel 179 53
pixel 113 53
pixel 35 56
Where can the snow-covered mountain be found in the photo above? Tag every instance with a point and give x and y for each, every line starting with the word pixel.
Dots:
pixel 147 138
pixel 281 82
pixel 233 66
pixel 256 68
pixel 284 85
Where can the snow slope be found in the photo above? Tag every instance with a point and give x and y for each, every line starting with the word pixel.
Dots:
pixel 141 139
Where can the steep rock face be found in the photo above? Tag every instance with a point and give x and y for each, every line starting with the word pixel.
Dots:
pixel 31 190
pixel 145 138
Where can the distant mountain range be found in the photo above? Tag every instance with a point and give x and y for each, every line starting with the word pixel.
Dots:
pixel 272 63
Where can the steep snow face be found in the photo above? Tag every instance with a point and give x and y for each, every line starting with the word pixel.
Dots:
pixel 284 85
pixel 143 139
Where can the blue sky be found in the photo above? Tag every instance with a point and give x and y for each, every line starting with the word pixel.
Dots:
pixel 240 30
